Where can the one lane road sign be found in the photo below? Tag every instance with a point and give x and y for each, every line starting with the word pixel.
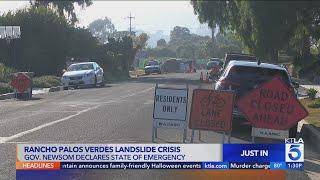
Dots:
pixel 211 110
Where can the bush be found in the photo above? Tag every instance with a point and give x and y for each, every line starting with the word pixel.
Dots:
pixel 312 93
pixel 5 89
pixel 315 104
pixel 46 81
pixel 5 73
pixel 114 77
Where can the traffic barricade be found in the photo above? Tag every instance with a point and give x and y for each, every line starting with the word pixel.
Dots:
pixel 22 84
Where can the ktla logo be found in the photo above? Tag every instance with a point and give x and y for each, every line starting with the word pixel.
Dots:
pixel 294 150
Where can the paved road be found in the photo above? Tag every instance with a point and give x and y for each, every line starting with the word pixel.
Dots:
pixel 118 113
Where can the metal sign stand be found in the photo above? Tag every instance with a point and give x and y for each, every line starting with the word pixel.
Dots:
pixel 252 139
pixel 192 133
pixel 223 135
pixel 155 129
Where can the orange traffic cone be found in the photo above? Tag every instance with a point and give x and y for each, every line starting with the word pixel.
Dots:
pixel 201 77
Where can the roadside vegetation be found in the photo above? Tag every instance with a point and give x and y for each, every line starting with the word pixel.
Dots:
pixel 295 29
pixel 5 88
pixel 46 81
pixel 187 45
pixel 5 79
pixel 5 73
pixel 312 93
pixel 313 107
pixel 237 26
pixel 45 52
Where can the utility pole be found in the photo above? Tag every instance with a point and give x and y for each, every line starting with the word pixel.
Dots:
pixel 213 39
pixel 130 17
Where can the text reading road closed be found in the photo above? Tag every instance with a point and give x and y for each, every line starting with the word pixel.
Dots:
pixel 272 106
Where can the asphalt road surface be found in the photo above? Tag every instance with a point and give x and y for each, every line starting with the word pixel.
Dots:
pixel 117 113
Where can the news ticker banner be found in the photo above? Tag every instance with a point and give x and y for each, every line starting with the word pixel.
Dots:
pixel 159 156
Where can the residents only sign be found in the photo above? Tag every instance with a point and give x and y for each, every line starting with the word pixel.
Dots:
pixel 170 107
pixel 272 106
pixel 211 110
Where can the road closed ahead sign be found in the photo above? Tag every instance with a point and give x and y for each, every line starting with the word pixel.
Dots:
pixel 211 110
pixel 170 104
pixel 272 106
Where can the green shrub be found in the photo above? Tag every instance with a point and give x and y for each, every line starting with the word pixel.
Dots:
pixel 46 81
pixel 5 89
pixel 315 104
pixel 115 77
pixel 5 73
pixel 312 93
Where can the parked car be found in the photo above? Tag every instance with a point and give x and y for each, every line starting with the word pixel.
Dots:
pixel 152 67
pixel 83 74
pixel 244 76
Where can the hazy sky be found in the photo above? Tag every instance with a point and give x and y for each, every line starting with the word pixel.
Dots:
pixel 150 16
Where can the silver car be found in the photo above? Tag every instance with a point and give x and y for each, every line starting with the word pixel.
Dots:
pixel 83 74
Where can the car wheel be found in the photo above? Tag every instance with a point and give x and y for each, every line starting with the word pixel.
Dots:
pixel 95 81
pixel 102 82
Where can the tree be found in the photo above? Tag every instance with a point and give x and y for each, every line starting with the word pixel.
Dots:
pixel 184 44
pixel 178 34
pixel 307 31
pixel 264 27
pixel 187 51
pixel 161 43
pixel 47 39
pixel 140 41
pixel 62 7
pixel 121 34
pixel 102 29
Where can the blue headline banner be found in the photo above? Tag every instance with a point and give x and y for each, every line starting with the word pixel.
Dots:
pixel 254 152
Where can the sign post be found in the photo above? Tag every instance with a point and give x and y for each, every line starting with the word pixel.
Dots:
pixel 211 110
pixel 170 109
pixel 272 109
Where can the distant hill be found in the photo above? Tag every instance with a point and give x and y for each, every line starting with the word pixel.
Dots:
pixel 202 30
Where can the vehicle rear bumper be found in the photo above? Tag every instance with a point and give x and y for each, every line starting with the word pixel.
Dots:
pixel 152 70
pixel 81 82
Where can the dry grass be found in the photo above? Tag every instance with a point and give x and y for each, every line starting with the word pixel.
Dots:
pixel 314 113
